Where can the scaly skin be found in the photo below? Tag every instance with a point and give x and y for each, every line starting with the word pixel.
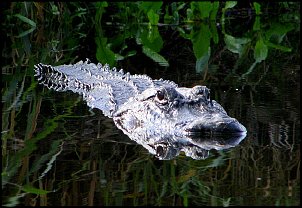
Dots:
pixel 151 112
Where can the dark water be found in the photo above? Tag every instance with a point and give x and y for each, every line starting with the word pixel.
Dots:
pixel 57 151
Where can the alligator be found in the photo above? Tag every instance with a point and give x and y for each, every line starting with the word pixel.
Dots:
pixel 156 113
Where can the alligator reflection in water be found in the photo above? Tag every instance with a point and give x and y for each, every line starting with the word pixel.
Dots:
pixel 196 146
pixel 155 113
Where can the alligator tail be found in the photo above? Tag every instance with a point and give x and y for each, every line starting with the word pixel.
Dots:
pixel 54 79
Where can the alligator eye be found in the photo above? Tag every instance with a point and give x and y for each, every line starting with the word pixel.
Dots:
pixel 160 95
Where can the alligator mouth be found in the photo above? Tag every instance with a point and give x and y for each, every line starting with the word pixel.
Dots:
pixel 232 127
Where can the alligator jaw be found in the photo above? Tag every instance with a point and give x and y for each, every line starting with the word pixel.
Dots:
pixel 231 126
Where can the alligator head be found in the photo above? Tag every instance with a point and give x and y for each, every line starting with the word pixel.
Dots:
pixel 183 111
pixel 155 113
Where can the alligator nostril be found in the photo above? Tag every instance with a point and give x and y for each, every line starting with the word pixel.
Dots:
pixel 175 103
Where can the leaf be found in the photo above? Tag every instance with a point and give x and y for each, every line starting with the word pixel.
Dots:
pixel 14 200
pixel 226 202
pixel 26 20
pixel 201 39
pixel 260 52
pixel 155 56
pixel 277 31
pixel 100 9
pixel 202 9
pixel 164 188
pixel 54 9
pixel 202 62
pixel 130 53
pixel 214 11
pixel 214 33
pixel 150 38
pixel 39 162
pixel 29 189
pixel 190 15
pixel 153 17
pixel 30 145
pixel 26 32
pixel 103 53
pixel 216 162
pixel 279 47
pixel 205 9
pixel 10 91
pixel 257 24
pixel 185 199
pixel 235 44
pixel 249 70
pixel 151 9
pixel 230 4
pixel 146 6
pixel 51 161
pixel 257 8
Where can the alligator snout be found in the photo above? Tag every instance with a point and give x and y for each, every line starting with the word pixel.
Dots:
pixel 232 126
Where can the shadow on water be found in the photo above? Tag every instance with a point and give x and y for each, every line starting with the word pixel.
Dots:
pixel 57 151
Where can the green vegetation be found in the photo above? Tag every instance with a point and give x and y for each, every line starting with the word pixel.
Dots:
pixel 69 24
